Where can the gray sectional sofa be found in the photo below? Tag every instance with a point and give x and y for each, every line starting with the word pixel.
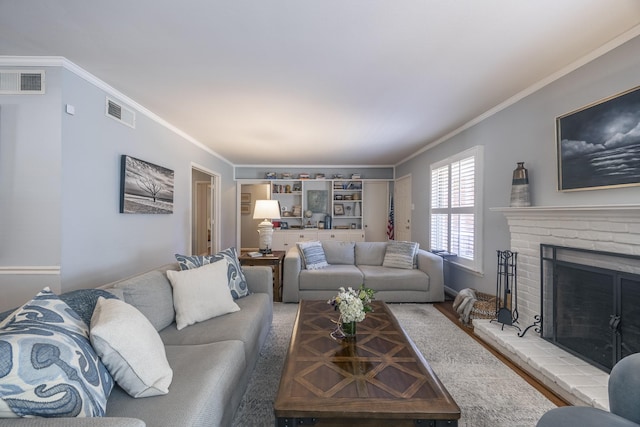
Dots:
pixel 356 263
pixel 212 361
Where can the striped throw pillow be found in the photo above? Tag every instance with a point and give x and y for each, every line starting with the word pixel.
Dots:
pixel 313 255
pixel 400 255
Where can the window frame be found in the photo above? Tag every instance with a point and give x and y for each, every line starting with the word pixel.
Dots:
pixel 477 152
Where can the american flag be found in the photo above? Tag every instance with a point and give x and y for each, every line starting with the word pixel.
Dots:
pixel 390 233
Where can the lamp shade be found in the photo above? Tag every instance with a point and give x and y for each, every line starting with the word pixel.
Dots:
pixel 266 209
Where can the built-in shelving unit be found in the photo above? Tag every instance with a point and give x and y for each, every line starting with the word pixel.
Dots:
pixel 317 209
pixel 340 208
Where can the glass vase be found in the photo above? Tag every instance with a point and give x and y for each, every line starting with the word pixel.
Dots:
pixel 348 329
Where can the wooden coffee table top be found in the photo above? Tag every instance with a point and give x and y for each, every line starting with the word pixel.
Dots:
pixel 379 375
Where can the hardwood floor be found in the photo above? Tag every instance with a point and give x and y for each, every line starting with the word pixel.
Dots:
pixel 446 308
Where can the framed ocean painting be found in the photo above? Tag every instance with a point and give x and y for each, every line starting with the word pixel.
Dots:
pixel 598 146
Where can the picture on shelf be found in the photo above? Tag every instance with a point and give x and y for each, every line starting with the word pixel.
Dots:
pixel 317 201
pixel 245 198
pixel 245 209
pixel 284 225
pixel 338 209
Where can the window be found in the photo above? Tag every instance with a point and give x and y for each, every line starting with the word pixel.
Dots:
pixel 456 196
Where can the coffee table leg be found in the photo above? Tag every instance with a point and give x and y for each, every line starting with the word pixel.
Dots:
pixel 435 423
pixel 291 422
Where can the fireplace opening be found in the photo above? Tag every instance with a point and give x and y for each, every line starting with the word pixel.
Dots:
pixel 591 303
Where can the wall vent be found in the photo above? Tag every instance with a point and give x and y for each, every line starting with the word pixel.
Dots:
pixel 118 112
pixel 19 82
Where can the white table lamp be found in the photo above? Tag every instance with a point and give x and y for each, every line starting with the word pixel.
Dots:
pixel 267 209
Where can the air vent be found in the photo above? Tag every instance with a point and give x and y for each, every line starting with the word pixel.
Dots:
pixel 17 82
pixel 120 113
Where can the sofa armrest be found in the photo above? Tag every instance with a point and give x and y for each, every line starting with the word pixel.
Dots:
pixel 433 266
pixel 72 422
pixel 259 279
pixel 291 272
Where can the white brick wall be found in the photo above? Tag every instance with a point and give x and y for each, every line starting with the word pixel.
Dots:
pixel 604 228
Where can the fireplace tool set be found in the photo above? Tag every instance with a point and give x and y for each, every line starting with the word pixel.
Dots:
pixel 507 289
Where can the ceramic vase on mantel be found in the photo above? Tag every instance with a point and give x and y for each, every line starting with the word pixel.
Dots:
pixel 520 196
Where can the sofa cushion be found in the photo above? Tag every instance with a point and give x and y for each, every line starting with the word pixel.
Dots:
pixel 370 253
pixel 246 325
pixel 205 381
pixel 339 252
pixel 201 293
pixel 400 255
pixel 151 294
pixel 236 280
pixel 331 278
pixel 47 365
pixel 130 348
pixel 312 254
pixel 382 278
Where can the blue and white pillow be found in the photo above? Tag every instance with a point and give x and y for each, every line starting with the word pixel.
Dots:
pixel 47 365
pixel 235 277
pixel 313 255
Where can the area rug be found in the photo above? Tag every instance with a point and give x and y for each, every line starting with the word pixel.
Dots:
pixel 488 392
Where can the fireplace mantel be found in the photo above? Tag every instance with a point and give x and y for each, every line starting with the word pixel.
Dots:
pixel 591 210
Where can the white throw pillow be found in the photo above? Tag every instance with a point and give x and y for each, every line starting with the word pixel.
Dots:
pixel 130 348
pixel 201 293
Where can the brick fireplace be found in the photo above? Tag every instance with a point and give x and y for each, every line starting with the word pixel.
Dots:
pixel 613 228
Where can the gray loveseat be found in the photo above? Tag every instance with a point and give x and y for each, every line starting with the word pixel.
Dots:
pixel 356 263
pixel 212 361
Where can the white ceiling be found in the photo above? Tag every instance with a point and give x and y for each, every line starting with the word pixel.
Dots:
pixel 324 82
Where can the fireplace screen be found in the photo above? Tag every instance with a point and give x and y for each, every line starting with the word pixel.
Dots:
pixel 591 309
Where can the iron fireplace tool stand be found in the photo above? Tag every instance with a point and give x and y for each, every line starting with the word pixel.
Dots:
pixel 506 289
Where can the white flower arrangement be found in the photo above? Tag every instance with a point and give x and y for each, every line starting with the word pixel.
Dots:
pixel 352 304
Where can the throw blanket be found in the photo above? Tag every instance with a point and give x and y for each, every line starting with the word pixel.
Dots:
pixel 463 303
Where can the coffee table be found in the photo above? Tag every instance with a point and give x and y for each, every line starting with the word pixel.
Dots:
pixel 378 379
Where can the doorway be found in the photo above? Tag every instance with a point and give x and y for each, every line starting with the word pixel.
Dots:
pixel 402 205
pixel 249 193
pixel 205 233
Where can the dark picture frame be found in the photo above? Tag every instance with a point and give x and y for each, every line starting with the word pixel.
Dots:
pixel 145 188
pixel 598 146
pixel 338 209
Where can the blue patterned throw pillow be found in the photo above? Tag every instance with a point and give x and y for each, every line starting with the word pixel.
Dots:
pixel 235 277
pixel 47 365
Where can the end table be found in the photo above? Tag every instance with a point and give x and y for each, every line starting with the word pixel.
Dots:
pixel 273 260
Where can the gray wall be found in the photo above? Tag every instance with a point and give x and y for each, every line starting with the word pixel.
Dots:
pixel 525 132
pixel 30 192
pixel 60 190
